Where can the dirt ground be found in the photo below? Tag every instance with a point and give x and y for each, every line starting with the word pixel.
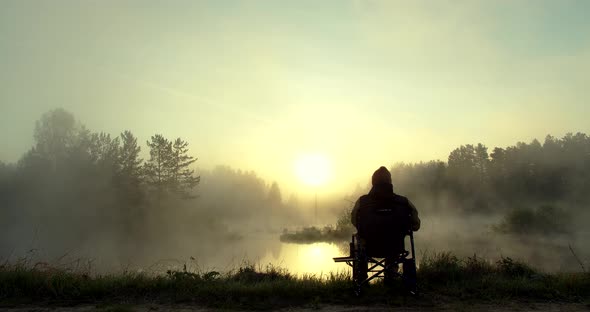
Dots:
pixel 520 307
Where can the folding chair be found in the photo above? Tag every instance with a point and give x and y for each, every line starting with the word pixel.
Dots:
pixel 381 259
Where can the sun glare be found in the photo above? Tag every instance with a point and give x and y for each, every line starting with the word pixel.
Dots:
pixel 313 169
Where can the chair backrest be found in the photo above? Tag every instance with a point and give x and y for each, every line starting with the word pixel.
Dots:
pixel 383 223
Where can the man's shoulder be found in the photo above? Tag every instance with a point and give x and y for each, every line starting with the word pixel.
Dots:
pixel 400 198
pixel 363 199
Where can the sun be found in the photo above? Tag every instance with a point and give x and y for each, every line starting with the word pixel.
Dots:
pixel 313 169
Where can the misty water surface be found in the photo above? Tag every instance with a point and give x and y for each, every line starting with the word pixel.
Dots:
pixel 465 237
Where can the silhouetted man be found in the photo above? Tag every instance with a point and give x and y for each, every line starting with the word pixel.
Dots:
pixel 383 188
pixel 383 218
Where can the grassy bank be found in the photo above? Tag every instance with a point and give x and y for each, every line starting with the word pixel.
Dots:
pixel 442 277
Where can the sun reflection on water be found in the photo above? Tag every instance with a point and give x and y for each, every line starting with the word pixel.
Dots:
pixel 308 259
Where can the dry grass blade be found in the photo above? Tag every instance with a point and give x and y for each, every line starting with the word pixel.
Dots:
pixel 577 259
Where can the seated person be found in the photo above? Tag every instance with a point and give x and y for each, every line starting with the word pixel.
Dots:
pixel 383 218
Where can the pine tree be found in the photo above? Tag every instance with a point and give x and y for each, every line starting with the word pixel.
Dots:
pixel 182 177
pixel 129 158
pixel 130 173
pixel 157 169
pixel 168 168
pixel 104 152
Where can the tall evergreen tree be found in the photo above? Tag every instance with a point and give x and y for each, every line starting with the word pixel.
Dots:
pixel 168 168
pixel 157 169
pixel 130 173
pixel 104 152
pixel 182 177
pixel 129 158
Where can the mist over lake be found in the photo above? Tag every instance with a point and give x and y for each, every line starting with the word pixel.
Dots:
pixel 91 200
pixel 245 155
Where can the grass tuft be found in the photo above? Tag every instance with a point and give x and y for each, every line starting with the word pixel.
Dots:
pixel 440 275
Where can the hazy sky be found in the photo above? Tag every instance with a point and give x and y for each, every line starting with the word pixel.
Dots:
pixel 255 84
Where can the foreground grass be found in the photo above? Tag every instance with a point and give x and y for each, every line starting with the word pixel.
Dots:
pixel 442 277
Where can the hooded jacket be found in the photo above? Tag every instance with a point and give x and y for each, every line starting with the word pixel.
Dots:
pixel 379 190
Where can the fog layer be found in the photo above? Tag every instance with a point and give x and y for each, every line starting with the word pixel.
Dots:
pixel 78 196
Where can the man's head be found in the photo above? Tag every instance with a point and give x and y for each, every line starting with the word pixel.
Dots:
pixel 381 176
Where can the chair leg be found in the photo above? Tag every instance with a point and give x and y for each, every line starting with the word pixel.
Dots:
pixel 390 273
pixel 359 265
pixel 409 276
pixel 361 276
pixel 359 270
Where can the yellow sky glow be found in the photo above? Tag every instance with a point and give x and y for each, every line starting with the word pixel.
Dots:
pixel 256 84
pixel 313 169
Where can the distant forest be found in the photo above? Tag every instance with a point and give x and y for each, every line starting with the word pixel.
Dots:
pixel 535 188
pixel 75 187
pixel 538 187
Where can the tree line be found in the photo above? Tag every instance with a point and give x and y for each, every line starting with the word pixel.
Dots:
pixel 75 187
pixel 66 150
pixel 547 181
